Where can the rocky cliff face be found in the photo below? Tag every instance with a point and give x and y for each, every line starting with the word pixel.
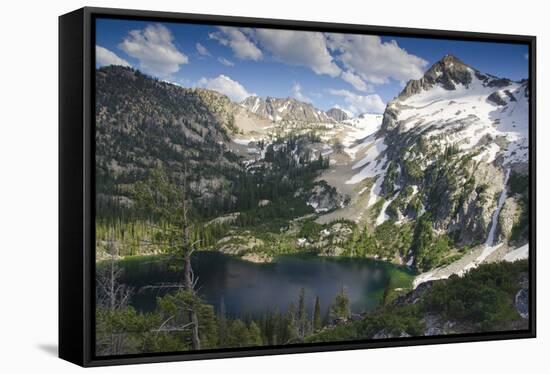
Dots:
pixel 337 114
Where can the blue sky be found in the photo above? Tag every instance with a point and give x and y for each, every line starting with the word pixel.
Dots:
pixel 355 72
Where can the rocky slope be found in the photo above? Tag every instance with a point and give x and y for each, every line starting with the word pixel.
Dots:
pixel 143 123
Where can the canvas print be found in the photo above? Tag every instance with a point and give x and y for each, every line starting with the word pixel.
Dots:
pixel 271 187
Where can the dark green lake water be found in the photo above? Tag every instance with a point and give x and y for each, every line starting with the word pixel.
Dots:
pixel 249 288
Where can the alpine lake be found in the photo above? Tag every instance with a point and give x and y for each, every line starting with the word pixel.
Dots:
pixel 245 288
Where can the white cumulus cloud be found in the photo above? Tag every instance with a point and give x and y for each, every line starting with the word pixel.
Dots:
pixel 356 81
pixel 105 57
pixel 226 62
pixel 154 48
pixel 242 46
pixel 373 60
pixel 227 86
pixel 360 60
pixel 201 49
pixel 358 104
pixel 298 94
pixel 301 48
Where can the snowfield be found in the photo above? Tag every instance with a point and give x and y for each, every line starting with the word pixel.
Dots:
pixel 383 217
pixel 243 141
pixel 360 132
pixel 517 254
pixel 375 190
pixel 361 137
pixel 376 148
pixel 467 117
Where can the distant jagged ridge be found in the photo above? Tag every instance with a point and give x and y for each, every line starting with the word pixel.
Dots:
pixel 290 109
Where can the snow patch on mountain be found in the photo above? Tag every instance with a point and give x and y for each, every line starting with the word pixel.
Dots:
pixel 382 216
pixel 376 189
pixel 373 162
pixel 377 147
pixel 360 133
pixel 243 141
pixel 517 254
pixel 469 115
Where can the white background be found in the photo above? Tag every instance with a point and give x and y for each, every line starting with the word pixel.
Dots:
pixel 28 184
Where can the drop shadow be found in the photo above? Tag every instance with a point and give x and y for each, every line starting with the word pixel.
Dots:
pixel 50 349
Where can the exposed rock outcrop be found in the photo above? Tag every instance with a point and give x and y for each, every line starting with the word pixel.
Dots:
pixel 325 198
pixel 337 114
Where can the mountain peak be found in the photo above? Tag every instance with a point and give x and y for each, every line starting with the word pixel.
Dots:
pixel 448 72
pixel 337 114
pixel 449 68
pixel 449 59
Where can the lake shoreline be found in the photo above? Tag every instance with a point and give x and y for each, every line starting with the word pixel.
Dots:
pixel 256 288
pixel 260 257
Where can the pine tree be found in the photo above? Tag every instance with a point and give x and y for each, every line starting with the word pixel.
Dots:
pixel 317 324
pixel 222 324
pixel 254 335
pixel 340 309
pixel 290 330
pixel 302 317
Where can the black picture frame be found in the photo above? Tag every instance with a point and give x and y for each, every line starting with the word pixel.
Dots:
pixel 77 197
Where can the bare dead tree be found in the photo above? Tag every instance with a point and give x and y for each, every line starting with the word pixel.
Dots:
pixel 112 296
pixel 188 249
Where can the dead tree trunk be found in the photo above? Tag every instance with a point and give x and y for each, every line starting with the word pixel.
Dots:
pixel 112 296
pixel 188 281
